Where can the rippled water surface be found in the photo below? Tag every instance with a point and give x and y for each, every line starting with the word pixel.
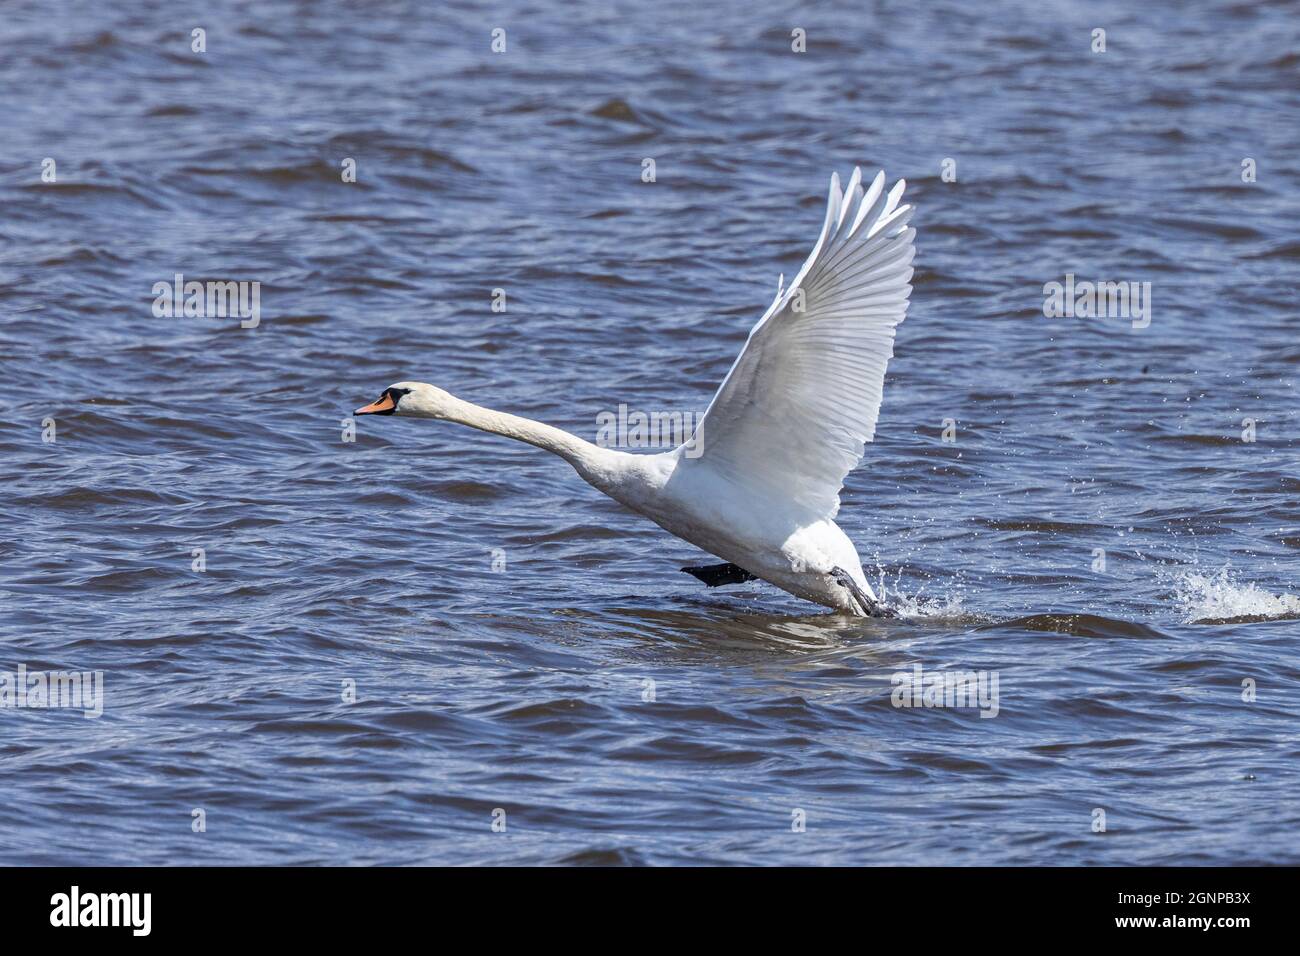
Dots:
pixel 1099 535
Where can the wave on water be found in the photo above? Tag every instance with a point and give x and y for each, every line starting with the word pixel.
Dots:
pixel 1220 598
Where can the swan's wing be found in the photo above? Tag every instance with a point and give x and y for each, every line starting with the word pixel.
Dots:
pixel 792 415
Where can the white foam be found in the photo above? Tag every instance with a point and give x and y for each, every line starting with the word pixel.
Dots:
pixel 948 606
pixel 1220 597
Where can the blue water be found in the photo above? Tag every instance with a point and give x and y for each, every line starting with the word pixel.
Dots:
pixel 521 695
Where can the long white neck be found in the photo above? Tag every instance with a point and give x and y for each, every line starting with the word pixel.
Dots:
pixel 590 461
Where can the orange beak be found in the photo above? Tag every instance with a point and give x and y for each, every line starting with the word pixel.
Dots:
pixel 384 403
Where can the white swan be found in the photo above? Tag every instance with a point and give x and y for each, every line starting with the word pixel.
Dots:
pixel 761 487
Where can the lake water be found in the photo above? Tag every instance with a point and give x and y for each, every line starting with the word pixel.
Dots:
pixel 1102 514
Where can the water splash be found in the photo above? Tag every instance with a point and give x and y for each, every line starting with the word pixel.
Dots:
pixel 1220 597
pixel 949 607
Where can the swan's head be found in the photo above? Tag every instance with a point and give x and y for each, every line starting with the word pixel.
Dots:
pixel 410 398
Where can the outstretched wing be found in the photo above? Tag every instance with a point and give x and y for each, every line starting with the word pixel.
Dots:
pixel 792 415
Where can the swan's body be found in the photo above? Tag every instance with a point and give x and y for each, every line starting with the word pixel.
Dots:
pixel 760 488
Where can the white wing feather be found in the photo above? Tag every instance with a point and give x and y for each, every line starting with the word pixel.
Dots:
pixel 792 416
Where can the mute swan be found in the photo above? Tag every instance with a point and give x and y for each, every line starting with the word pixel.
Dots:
pixel 761 488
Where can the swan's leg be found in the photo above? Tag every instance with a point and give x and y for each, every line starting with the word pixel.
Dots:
pixel 716 575
pixel 869 607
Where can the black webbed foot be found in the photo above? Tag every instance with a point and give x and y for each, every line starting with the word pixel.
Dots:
pixel 869 607
pixel 716 575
